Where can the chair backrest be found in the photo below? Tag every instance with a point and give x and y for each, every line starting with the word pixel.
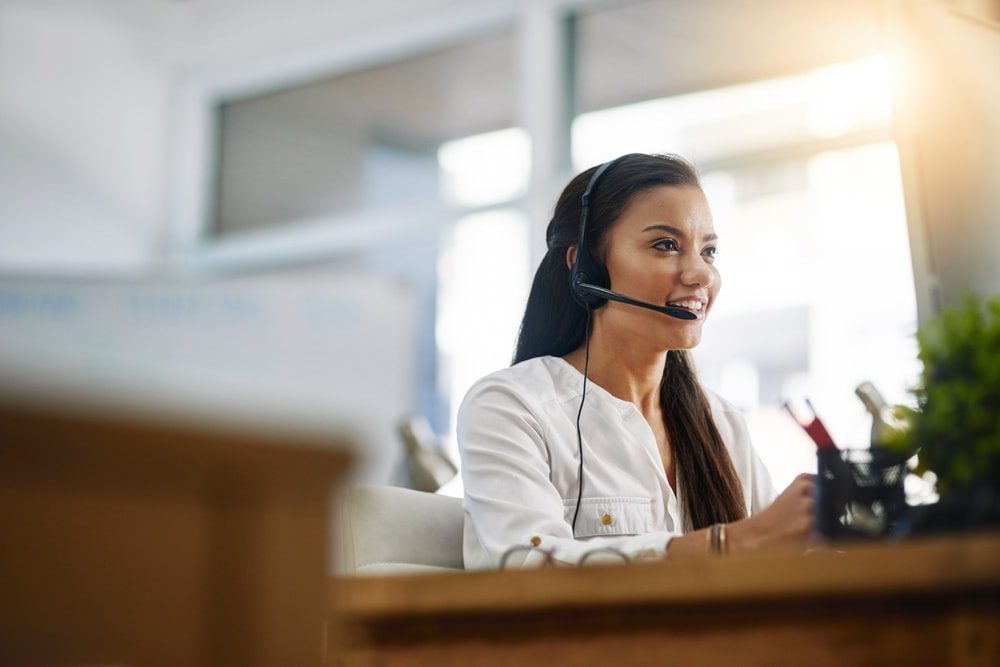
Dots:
pixel 391 530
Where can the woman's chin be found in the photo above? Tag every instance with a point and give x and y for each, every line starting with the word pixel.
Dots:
pixel 685 340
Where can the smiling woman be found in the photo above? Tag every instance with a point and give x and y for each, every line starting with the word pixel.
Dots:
pixel 622 293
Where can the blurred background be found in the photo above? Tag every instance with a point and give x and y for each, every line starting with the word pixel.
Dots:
pixel 327 214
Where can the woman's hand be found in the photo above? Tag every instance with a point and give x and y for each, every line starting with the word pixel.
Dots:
pixel 787 522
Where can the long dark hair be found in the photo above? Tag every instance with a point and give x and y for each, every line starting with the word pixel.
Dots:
pixel 554 324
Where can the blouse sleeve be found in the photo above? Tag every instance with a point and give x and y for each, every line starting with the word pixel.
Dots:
pixel 510 500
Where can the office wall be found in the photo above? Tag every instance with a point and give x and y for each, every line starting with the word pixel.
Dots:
pixel 83 111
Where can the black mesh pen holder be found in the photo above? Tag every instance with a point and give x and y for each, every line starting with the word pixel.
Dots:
pixel 859 493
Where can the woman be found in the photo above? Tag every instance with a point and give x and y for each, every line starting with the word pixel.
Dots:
pixel 599 438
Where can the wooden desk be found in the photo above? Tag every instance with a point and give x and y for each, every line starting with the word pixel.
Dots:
pixel 135 542
pixel 922 603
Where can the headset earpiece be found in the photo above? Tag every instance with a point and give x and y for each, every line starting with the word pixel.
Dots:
pixel 586 269
pixel 589 272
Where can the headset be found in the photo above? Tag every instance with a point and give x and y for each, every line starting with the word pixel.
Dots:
pixel 584 277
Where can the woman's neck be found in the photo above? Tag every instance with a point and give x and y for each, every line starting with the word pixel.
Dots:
pixel 629 371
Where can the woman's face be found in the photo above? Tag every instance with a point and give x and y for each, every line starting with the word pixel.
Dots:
pixel 662 250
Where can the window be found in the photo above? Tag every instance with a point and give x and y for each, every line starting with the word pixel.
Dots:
pixel 483 270
pixel 360 141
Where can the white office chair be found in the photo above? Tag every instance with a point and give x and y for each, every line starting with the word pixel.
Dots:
pixel 391 530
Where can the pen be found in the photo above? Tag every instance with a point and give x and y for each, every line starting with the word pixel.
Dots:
pixel 813 428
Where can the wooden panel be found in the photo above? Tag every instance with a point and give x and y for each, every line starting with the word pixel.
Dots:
pixel 131 542
pixel 701 639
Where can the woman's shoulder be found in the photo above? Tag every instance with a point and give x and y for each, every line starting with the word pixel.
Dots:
pixel 538 375
pixel 535 380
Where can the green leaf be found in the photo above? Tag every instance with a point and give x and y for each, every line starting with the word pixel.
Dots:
pixel 956 426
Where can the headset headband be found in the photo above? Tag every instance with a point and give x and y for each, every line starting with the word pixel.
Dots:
pixel 579 274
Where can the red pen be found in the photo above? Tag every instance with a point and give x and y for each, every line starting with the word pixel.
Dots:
pixel 813 428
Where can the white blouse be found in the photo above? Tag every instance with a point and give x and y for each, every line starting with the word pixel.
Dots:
pixel 517 439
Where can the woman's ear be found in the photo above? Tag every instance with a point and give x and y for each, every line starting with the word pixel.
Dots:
pixel 570 257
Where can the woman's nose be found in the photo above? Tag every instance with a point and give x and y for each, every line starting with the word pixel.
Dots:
pixel 695 271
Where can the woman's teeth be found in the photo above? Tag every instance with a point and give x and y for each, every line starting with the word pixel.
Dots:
pixel 690 305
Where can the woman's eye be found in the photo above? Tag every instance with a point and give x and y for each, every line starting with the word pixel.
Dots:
pixel 665 244
pixel 711 251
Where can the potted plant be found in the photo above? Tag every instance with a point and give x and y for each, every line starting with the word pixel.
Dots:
pixel 955 427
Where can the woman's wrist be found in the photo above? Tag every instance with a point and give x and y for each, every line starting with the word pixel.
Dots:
pixel 740 535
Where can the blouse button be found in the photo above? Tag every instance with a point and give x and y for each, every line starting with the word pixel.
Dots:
pixel 607 520
pixel 535 541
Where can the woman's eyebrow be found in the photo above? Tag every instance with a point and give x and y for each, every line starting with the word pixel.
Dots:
pixel 677 232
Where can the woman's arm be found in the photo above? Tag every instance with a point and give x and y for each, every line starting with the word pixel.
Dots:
pixel 787 522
